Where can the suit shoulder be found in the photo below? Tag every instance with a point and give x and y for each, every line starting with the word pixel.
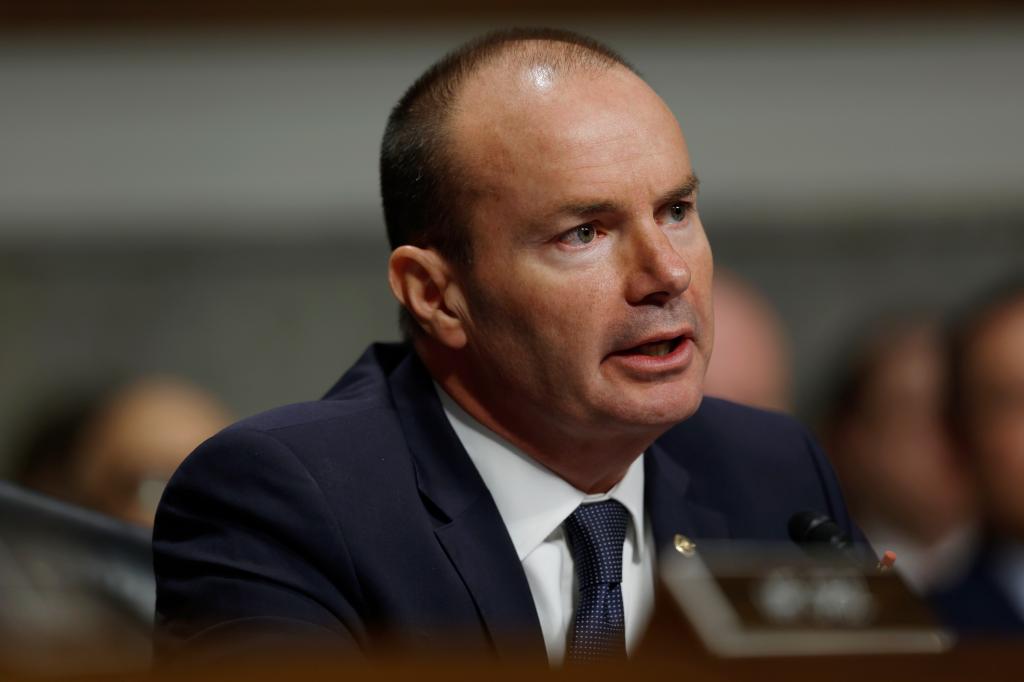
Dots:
pixel 312 415
pixel 359 398
pixel 725 441
pixel 758 459
pixel 335 434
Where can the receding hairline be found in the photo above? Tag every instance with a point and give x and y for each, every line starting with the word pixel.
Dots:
pixel 509 53
pixel 436 89
pixel 478 62
pixel 555 52
pixel 507 84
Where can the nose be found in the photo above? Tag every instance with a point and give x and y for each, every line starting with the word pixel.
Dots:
pixel 658 273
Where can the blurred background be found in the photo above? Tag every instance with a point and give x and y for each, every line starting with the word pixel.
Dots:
pixel 192 189
pixel 189 203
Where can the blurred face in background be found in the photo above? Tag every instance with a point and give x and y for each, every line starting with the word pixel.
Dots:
pixel 127 455
pixel 892 451
pixel 751 364
pixel 588 303
pixel 993 385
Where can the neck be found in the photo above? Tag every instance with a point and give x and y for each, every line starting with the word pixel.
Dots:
pixel 591 460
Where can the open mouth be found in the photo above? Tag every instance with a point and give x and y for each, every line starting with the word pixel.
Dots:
pixel 654 349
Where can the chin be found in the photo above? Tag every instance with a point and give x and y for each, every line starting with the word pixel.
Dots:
pixel 658 408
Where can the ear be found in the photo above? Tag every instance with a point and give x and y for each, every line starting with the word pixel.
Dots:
pixel 422 282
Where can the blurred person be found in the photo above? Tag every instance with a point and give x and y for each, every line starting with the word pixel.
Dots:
pixel 751 364
pixel 986 415
pixel 502 482
pixel 113 450
pixel 886 434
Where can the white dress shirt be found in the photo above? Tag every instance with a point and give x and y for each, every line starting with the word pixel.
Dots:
pixel 533 502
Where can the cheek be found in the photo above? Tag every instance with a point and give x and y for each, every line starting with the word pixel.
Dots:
pixel 561 305
pixel 696 251
pixel 514 321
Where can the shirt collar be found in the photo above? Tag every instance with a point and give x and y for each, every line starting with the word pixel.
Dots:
pixel 534 501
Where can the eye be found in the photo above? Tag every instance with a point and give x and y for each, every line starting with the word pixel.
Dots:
pixel 580 235
pixel 677 211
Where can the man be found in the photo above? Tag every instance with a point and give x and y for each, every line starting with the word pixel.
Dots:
pixel 987 418
pixel 886 433
pixel 505 481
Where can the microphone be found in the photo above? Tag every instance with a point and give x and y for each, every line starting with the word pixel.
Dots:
pixel 815 531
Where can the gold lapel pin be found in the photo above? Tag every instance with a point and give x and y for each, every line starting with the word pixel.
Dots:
pixel 685 545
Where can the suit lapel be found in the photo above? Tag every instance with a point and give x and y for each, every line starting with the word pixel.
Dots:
pixel 470 528
pixel 485 558
pixel 669 496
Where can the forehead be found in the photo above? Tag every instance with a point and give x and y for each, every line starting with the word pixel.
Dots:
pixel 541 134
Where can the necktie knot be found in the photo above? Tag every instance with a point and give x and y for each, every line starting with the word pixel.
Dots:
pixel 596 533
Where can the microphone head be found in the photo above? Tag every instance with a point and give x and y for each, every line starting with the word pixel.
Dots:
pixel 813 528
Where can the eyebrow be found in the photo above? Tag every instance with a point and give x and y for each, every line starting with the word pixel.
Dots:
pixel 583 209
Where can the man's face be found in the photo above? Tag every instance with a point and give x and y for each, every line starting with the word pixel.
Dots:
pixel 994 394
pixel 588 299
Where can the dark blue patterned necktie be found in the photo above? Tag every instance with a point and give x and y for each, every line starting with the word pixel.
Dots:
pixel 596 533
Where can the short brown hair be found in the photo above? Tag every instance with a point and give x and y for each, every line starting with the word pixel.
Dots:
pixel 420 188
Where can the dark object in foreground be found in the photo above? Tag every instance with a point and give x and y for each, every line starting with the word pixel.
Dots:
pixel 813 528
pixel 76 586
pixel 751 600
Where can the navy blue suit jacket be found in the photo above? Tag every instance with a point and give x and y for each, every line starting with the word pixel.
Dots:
pixel 978 605
pixel 361 516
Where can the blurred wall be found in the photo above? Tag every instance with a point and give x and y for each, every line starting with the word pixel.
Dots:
pixel 205 201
